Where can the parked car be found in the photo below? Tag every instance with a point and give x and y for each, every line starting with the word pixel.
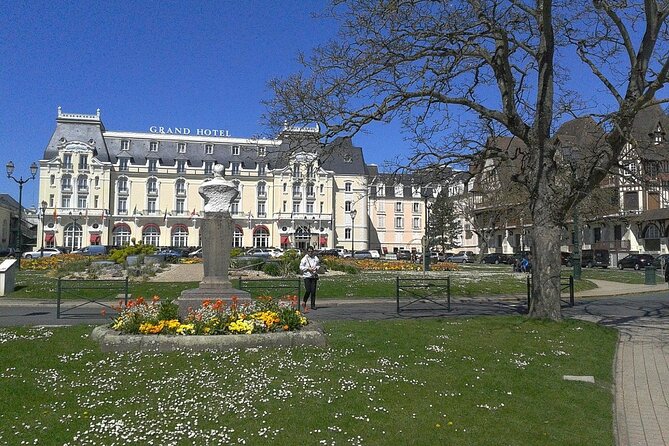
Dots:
pixel 390 256
pixel 170 253
pixel 45 252
pixel 661 260
pixel 93 250
pixel 375 254
pixel 196 253
pixel 496 258
pixel 565 259
pixel 595 257
pixel 260 252
pixel 636 261
pixel 362 255
pixel 328 252
pixel 462 257
pixel 403 254
pixel 8 252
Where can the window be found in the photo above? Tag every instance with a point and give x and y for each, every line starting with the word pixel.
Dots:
pixel 285 206
pixel 152 186
pixel 322 188
pixel 382 221
pixel 153 165
pixel 381 190
pixel 123 164
pixel 262 151
pixel 97 181
pixel 399 207
pixel 180 186
pixel 296 170
pixel 52 200
pixel 399 223
pixel 234 207
pixel 153 146
pixel 82 183
pixel 179 236
pixel 83 162
pixel 310 171
pixel 125 145
pixel 261 209
pixel 96 201
pixel 416 208
pixel 260 237
pixel 262 169
pixel 151 235
pixel 415 223
pixel 262 192
pixel 399 190
pixel 208 149
pixel 122 207
pixel 238 237
pixel 297 190
pixel 347 187
pixel 347 206
pixel 296 207
pixel 180 206
pixel 181 147
pixel 122 185
pixel 208 167
pixel 67 161
pixel 310 208
pixel 121 235
pixel 235 150
pixel 66 183
pixel 52 180
pixel 381 206
pixel 235 168
pixel 65 201
pixel 181 166
pixel 151 206
pixel 285 188
pixel 310 190
pixel 72 236
pixel 322 205
pixel 347 233
pixel 82 202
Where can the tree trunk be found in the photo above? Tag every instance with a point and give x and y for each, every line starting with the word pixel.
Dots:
pixel 547 237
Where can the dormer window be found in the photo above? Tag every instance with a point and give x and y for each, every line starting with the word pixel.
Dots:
pixel 296 170
pixel 208 149
pixel 181 166
pixel 381 190
pixel 153 146
pixel 208 167
pixel 399 190
pixel 181 147
pixel 153 165
pixel 123 164
pixel 125 145
pixel 262 151
pixel 67 161
pixel 348 187
pixel 235 150
pixel 234 168
pixel 262 169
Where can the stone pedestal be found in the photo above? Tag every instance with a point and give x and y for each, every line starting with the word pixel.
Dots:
pixel 216 236
pixel 216 233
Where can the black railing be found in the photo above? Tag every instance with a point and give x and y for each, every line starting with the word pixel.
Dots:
pixel 92 292
pixel 423 289
pixel 566 284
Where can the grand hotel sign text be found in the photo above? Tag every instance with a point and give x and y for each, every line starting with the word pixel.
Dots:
pixel 187 131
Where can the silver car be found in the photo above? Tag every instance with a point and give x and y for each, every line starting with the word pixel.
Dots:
pixel 462 257
pixel 45 252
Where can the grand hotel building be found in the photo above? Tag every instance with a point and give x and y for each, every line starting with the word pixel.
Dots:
pixel 113 188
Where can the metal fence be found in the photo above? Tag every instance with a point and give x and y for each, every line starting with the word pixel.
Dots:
pixel 270 287
pixel 413 290
pixel 91 291
pixel 566 284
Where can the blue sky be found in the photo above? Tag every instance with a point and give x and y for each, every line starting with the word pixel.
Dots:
pixel 201 64
pixel 177 64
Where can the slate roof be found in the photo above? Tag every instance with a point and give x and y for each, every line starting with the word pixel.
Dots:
pixel 8 202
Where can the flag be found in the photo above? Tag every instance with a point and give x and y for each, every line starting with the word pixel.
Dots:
pixel 86 213
pixel 102 217
pixel 192 214
pixel 165 217
pixel 134 211
pixel 55 213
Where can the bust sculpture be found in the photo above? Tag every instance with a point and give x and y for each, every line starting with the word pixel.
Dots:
pixel 218 193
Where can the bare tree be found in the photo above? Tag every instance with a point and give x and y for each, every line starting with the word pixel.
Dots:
pixel 441 65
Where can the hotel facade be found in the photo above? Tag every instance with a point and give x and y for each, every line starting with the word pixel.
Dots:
pixel 115 188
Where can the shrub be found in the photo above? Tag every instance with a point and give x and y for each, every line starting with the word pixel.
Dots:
pixel 255 263
pixel 121 254
pixel 272 269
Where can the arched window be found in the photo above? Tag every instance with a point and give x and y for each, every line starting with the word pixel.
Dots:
pixel 73 235
pixel 180 186
pixel 152 186
pixel 179 236
pixel 121 235
pixel 652 232
pixel 260 237
pixel 82 183
pixel 238 237
pixel 151 235
pixel 652 238
pixel 262 189
pixel 66 182
pixel 122 184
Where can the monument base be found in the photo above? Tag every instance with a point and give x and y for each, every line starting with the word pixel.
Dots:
pixel 193 298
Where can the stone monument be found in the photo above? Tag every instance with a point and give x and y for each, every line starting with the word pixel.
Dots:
pixel 216 234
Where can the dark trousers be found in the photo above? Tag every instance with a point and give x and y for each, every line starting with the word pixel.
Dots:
pixel 310 290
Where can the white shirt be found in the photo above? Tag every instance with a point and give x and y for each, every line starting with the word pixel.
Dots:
pixel 309 266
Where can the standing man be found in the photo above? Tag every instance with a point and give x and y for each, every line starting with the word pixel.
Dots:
pixel 309 266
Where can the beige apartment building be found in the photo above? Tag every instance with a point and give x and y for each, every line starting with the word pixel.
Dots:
pixel 114 188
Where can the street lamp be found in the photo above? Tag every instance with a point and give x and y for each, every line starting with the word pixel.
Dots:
pixel 426 239
pixel 353 215
pixel 21 182
pixel 43 208
pixel 75 219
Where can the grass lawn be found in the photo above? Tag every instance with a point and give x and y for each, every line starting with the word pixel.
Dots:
pixel 478 381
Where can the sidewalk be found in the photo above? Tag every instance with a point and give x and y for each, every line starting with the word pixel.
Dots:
pixel 639 312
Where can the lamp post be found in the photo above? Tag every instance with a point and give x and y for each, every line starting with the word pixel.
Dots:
pixel 21 182
pixel 426 239
pixel 43 208
pixel 354 213
pixel 75 219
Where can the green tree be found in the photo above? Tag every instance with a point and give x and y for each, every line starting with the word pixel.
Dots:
pixel 444 224
pixel 455 72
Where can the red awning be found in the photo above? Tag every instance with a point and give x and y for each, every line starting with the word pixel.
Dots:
pixel 49 237
pixel 324 240
pixel 285 240
pixel 95 239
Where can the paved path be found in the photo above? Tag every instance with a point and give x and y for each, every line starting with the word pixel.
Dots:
pixel 639 312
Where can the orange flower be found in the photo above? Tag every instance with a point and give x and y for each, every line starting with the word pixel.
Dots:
pixel 286 328
pixel 155 298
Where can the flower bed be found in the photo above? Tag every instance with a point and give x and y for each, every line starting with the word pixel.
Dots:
pixel 264 315
pixel 51 263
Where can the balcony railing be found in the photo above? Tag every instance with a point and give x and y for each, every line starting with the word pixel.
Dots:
pixel 262 194
pixel 123 191
pixel 82 188
pixel 152 192
pixel 181 192
pixel 297 195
